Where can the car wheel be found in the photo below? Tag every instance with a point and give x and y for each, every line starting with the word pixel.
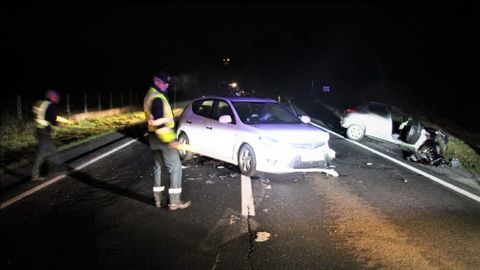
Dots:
pixel 355 132
pixel 428 153
pixel 184 155
pixel 246 160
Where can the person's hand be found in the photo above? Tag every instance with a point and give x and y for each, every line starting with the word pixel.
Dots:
pixel 151 121
pixel 64 121
pixel 174 145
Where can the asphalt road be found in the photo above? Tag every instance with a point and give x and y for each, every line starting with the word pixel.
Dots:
pixel 374 215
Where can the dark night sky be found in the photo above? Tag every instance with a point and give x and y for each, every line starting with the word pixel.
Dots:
pixel 371 49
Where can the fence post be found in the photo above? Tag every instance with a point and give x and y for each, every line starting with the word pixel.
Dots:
pixel 68 104
pixel 19 107
pixel 111 100
pixel 85 103
pixel 99 101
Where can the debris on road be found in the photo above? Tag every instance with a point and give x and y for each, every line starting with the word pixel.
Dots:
pixel 234 219
pixel 455 163
pixel 262 236
pixel 331 172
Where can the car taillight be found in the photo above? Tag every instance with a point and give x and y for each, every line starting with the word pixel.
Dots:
pixel 349 110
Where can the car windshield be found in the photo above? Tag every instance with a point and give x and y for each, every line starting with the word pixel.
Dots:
pixel 264 113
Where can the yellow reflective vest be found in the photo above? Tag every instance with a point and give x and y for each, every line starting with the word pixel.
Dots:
pixel 39 110
pixel 162 127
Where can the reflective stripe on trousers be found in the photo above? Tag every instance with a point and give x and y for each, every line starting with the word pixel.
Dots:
pixel 170 159
pixel 175 190
pixel 158 189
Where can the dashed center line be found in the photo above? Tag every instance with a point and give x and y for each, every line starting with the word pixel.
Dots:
pixel 248 208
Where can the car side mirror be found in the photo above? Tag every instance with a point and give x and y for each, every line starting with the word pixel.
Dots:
pixel 225 119
pixel 305 119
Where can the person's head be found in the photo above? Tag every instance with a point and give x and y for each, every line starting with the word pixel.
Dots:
pixel 161 80
pixel 52 95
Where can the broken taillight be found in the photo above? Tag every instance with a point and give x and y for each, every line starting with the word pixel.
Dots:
pixel 349 111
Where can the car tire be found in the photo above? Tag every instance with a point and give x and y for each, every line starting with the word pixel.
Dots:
pixel 184 155
pixel 247 162
pixel 428 153
pixel 355 132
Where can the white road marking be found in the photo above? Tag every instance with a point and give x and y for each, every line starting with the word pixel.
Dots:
pixel 57 178
pixel 248 208
pixel 431 177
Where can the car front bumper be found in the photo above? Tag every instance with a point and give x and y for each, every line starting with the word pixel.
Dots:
pixel 307 160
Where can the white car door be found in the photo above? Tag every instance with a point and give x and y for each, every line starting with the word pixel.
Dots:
pixel 222 136
pixel 380 123
pixel 194 124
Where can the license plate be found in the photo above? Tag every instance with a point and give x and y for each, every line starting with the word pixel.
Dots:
pixel 311 156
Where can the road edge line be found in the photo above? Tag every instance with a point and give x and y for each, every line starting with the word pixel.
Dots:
pixel 431 177
pixel 61 176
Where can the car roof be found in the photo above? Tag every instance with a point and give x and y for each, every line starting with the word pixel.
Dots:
pixel 391 107
pixel 241 98
pixel 394 108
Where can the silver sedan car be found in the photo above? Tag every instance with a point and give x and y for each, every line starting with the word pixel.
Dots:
pixel 257 134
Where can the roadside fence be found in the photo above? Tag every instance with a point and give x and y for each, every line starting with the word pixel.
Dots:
pixel 20 106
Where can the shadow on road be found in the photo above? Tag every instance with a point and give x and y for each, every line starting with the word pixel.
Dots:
pixel 95 183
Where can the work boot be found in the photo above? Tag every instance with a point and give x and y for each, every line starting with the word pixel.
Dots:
pixel 38 178
pixel 179 205
pixel 159 201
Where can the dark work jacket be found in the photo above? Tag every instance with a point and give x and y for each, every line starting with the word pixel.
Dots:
pixel 157 112
pixel 50 115
pixel 44 134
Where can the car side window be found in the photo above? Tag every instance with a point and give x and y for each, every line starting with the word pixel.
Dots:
pixel 203 107
pixel 222 108
pixel 378 109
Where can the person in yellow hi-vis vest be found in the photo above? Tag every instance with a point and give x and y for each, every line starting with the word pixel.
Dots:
pixel 163 142
pixel 46 116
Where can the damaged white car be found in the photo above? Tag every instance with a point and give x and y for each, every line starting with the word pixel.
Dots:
pixel 257 134
pixel 388 123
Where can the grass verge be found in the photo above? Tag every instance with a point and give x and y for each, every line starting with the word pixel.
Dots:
pixel 18 144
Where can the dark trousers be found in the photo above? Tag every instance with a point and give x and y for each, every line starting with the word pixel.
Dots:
pixel 46 149
pixel 167 158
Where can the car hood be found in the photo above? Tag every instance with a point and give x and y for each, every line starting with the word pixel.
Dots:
pixel 292 133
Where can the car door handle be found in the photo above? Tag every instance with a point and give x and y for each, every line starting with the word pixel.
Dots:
pixel 209 127
pixel 189 122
